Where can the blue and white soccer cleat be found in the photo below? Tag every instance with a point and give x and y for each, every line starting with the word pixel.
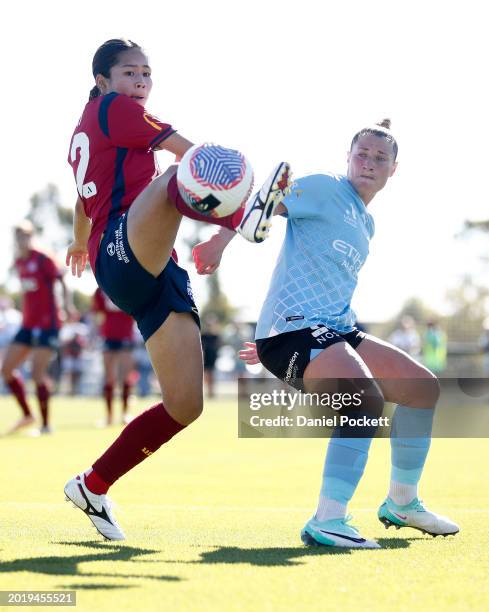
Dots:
pixel 259 210
pixel 415 515
pixel 335 532
pixel 98 508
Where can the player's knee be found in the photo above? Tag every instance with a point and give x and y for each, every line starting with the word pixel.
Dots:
pixel 186 405
pixel 39 378
pixel 6 372
pixel 429 390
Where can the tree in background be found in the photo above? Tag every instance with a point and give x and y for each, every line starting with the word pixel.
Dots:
pixel 52 220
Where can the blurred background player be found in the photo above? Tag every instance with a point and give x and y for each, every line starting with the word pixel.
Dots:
pixel 117 331
pixel 74 340
pixel 406 337
pixel 434 347
pixel 210 338
pixel 38 274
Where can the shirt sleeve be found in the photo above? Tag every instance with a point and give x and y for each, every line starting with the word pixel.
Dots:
pixel 128 125
pixel 309 196
pixel 50 268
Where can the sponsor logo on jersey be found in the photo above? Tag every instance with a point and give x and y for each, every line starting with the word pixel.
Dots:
pixel 151 120
pixel 29 284
pixel 111 248
pixel 350 216
pixel 353 260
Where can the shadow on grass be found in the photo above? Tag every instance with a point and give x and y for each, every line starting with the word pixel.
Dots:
pixel 58 565
pixel 95 586
pixel 274 557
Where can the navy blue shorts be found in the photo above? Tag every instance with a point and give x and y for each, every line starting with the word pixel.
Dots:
pixel 287 355
pixel 148 299
pixel 118 345
pixel 37 338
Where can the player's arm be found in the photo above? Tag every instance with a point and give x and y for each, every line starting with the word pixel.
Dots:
pixel 207 255
pixel 68 305
pixel 176 144
pixel 77 254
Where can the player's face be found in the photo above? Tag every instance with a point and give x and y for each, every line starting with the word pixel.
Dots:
pixel 370 164
pixel 131 76
pixel 23 241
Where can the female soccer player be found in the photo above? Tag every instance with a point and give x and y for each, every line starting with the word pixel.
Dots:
pixel 117 330
pixel 306 336
pixel 38 335
pixel 126 221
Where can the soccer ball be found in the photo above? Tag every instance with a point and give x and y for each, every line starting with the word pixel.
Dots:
pixel 214 180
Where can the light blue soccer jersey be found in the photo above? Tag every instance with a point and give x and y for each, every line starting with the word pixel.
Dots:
pixel 326 244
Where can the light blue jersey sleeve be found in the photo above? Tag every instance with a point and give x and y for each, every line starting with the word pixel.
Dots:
pixel 310 196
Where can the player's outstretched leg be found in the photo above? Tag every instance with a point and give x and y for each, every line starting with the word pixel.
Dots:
pixel 253 220
pixel 98 508
pixel 258 212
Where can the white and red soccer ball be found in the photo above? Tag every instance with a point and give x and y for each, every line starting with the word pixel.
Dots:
pixel 214 180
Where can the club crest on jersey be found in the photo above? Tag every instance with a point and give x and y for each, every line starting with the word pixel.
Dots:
pixel 111 249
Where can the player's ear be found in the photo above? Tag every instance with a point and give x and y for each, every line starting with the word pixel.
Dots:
pixel 394 167
pixel 101 83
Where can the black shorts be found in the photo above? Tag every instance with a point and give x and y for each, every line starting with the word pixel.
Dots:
pixel 148 299
pixel 37 338
pixel 287 355
pixel 118 345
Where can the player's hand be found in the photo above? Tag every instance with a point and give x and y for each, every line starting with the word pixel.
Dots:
pixel 249 354
pixel 207 255
pixel 77 258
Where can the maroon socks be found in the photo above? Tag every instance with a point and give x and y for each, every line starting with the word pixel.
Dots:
pixel 126 392
pixel 141 438
pixel 16 386
pixel 231 222
pixel 43 398
pixel 108 395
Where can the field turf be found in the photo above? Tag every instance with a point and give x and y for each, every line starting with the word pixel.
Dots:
pixel 212 522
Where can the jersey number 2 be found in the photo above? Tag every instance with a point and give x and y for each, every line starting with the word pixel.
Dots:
pixel 80 141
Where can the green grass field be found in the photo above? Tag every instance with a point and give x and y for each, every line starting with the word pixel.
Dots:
pixel 213 522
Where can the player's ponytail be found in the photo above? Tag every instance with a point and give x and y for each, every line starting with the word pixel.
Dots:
pixel 382 129
pixel 106 56
pixel 94 93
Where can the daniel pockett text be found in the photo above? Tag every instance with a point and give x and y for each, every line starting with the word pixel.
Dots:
pixel 284 409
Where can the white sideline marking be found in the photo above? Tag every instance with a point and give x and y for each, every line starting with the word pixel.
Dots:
pixel 230 508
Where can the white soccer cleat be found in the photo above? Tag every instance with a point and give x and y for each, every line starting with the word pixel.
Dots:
pixel 335 532
pixel 98 508
pixel 257 217
pixel 415 515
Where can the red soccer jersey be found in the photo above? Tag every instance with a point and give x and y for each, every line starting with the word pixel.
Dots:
pixel 117 325
pixel 112 156
pixel 37 273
